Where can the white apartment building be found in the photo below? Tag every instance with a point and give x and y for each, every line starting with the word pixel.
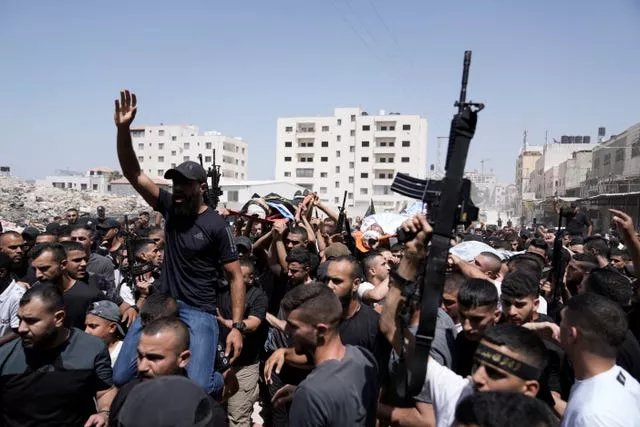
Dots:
pixel 352 151
pixel 163 147
pixel 95 179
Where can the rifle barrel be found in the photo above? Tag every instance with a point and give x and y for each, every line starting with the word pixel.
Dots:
pixel 465 79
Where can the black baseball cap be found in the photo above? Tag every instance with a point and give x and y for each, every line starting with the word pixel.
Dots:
pixel 244 242
pixel 171 401
pixel 189 169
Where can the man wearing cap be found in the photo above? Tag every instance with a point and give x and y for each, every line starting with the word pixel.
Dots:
pixel 103 321
pixel 199 252
pixel 110 242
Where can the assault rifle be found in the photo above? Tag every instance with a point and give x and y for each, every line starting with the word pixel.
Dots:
pixel 450 205
pixel 133 269
pixel 341 215
pixel 213 193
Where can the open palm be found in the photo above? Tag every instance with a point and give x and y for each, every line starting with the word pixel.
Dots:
pixel 126 108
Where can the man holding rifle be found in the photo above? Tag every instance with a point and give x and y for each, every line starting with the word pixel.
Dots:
pixel 199 252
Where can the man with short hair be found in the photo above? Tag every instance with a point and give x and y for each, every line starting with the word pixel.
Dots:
pixel 52 375
pixel 143 220
pixel 199 254
pixel 478 309
pixel 578 268
pixel 577 221
pixel 598 247
pixel 97 264
pixel 520 299
pixel 342 390
pixel 376 270
pixel 12 244
pixel 46 238
pixel 452 284
pixel 72 216
pixel 103 321
pixel 591 331
pixel 299 267
pixel 163 350
pixel 10 294
pixel 503 408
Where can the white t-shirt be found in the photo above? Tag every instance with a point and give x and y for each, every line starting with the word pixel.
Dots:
pixel 542 306
pixel 444 389
pixel 609 399
pixel 115 352
pixel 9 303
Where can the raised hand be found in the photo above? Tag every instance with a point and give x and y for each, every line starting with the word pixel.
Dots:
pixel 126 108
pixel 623 221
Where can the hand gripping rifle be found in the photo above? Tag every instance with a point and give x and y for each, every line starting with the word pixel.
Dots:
pixel 341 215
pixel 213 193
pixel 133 268
pixel 449 205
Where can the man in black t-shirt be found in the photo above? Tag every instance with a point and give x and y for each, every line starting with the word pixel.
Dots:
pixel 51 376
pixel 199 252
pixel 342 389
pixel 247 366
pixel 577 221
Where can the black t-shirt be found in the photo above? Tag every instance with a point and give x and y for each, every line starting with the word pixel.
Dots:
pixel 194 255
pixel 76 302
pixel 219 415
pixel 577 224
pixel 255 305
pixel 362 330
pixel 464 351
pixel 629 356
pixel 53 388
pixel 25 273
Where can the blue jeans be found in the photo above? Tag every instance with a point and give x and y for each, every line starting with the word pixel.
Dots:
pixel 203 333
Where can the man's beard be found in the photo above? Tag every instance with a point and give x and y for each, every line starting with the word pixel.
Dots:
pixel 345 300
pixel 187 209
pixel 43 341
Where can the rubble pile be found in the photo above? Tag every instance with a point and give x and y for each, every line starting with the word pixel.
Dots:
pixel 22 202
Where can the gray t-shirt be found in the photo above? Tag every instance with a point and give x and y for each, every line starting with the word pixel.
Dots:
pixel 338 393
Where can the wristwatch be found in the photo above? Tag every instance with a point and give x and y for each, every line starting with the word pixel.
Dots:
pixel 239 326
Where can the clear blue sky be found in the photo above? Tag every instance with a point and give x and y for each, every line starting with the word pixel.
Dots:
pixel 567 66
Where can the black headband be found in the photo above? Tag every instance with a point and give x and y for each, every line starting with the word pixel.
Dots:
pixel 489 356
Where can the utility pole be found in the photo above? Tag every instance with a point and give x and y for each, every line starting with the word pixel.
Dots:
pixel 482 162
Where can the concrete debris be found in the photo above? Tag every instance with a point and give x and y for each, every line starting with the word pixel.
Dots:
pixel 22 202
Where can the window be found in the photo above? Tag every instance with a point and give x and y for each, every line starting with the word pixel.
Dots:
pixel 364 191
pixel 365 143
pixel 323 190
pixel 242 163
pixel 161 172
pixel 173 165
pixel 338 153
pixel 232 195
pixel 351 165
pixel 236 162
pixel 161 133
pixel 95 187
pixel 304 173
pixel 324 159
pixel 619 154
pixel 287 174
pixel 137 133
pixel 185 159
pixel 207 159
pixel 173 138
pixel 140 159
pixel 339 138
pixel 352 132
pixel 324 144
pixel 186 145
pixel 353 117
pixel 607 160
pixel 161 146
pixel 207 145
pixel 635 149
pixel 350 180
pixel 339 122
pixel 325 128
pixel 383 128
pixel 382 176
pixel 364 175
pixel 337 184
pixel 364 159
pixel 140 146
pixel 336 200
pixel 305 144
pixel 242 150
pixel 352 148
pixel 173 153
pixel 366 127
pixel 390 160
pixel 406 143
pixel 323 174
pixel 288 144
pixel 288 129
pixel 406 127
pixel 161 158
pixel 392 128
pixel 287 159
pixel 337 169
pixel 350 196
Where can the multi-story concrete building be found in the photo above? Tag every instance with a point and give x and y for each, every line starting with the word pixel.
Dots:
pixel 572 173
pixel 545 179
pixel 95 179
pixel 525 165
pixel 160 148
pixel 352 151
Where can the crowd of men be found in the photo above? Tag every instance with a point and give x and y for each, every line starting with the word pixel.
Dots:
pixel 203 317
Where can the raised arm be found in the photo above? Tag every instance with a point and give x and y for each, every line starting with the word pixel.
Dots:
pixel 624 222
pixel 125 112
